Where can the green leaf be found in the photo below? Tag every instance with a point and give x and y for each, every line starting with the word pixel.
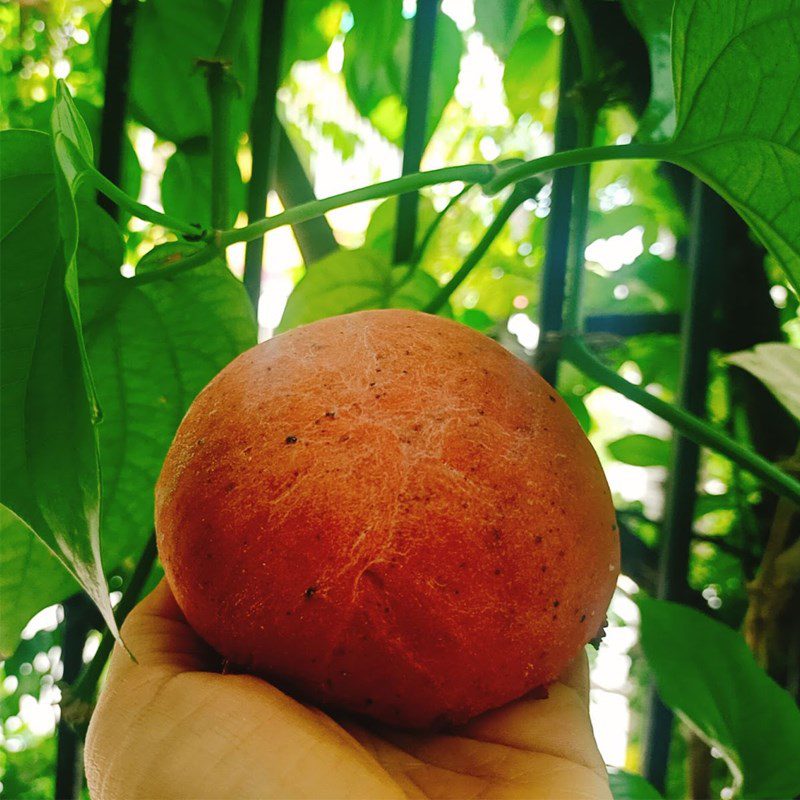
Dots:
pixel 31 577
pixel 501 21
pixel 152 349
pixel 531 69
pixel 640 450
pixel 380 232
pixel 186 185
pixel 67 121
pixel 49 472
pixel 167 91
pixel 39 116
pixel 354 280
pixel 652 18
pixel 777 366
pixel 376 59
pixel 735 66
pixel 705 672
pixel 308 30
pixel 630 786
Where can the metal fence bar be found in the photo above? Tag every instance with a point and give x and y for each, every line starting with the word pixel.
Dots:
pixel 262 136
pixel 115 95
pixel 416 132
pixel 554 270
pixel 676 531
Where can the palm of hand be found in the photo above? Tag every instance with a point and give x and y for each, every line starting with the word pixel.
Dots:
pixel 165 728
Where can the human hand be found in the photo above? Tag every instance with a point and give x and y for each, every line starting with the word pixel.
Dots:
pixel 173 727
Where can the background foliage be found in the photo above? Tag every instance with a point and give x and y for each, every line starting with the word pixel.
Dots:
pixel 342 106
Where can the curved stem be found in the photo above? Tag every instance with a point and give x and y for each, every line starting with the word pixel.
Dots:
pixel 419 252
pixel 485 174
pixel 469 173
pixel 691 426
pixel 114 193
pixel 517 197
pixel 575 158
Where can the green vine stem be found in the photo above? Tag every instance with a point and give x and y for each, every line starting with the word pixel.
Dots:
pixel 221 92
pixel 691 426
pixel 125 201
pixel 521 192
pixel 420 249
pixel 469 173
pixel 492 180
pixel 575 158
pixel 79 697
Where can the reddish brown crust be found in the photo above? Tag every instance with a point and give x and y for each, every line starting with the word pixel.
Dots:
pixel 390 513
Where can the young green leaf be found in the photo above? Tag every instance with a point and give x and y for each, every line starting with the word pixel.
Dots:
pixel 376 58
pixel 640 450
pixel 653 18
pixel 501 21
pixel 49 472
pixel 705 672
pixel 777 366
pixel 354 280
pixel 39 118
pixel 31 577
pixel 531 69
pixel 735 67
pixel 630 786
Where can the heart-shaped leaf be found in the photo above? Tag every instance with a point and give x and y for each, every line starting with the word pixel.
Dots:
pixel 355 280
pixel 735 67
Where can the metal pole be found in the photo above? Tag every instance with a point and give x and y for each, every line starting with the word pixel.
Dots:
pixel 262 136
pixel 676 531
pixel 78 618
pixel 417 95
pixel 554 271
pixel 115 95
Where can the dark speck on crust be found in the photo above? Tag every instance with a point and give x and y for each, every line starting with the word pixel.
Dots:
pixel 291 439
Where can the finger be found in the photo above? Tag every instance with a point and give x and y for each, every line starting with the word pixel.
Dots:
pixel 576 676
pixel 558 725
pixel 157 634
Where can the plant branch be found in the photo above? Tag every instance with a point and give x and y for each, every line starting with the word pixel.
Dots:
pixel 471 173
pixel 419 251
pixel 520 193
pixel 492 180
pixel 689 425
pixel 221 92
pixel 113 192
